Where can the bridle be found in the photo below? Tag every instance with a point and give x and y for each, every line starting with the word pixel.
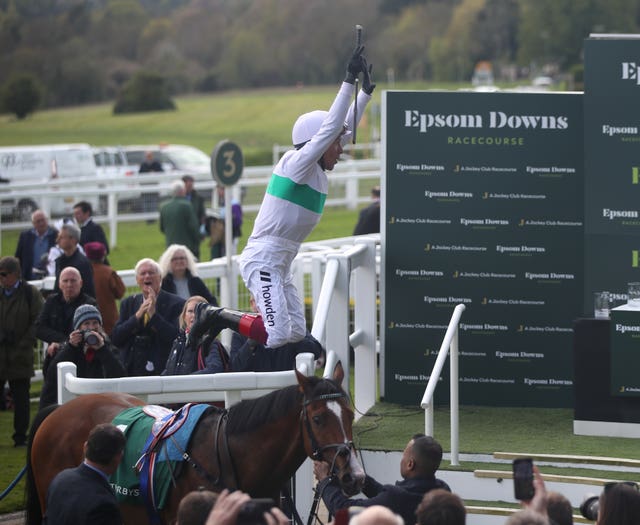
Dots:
pixel 316 449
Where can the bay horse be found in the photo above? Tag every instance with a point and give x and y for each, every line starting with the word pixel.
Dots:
pixel 267 439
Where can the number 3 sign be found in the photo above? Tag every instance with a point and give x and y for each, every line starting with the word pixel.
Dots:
pixel 226 163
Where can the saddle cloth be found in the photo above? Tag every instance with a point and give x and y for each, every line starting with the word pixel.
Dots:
pixel 152 428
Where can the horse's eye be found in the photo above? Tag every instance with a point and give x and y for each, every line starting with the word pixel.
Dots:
pixel 317 420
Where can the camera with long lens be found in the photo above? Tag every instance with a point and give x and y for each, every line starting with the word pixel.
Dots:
pixel 89 338
pixel 590 507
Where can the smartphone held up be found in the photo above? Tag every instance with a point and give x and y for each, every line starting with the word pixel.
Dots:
pixel 523 479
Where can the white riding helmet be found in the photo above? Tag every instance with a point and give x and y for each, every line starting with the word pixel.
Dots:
pixel 308 125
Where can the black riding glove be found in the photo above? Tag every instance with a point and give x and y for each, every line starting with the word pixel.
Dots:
pixel 367 85
pixel 354 66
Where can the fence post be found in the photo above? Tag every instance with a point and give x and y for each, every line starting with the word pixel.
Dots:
pixel 65 368
pixel 337 332
pixel 365 325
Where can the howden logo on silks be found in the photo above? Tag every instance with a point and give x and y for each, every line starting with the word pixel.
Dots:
pixel 631 71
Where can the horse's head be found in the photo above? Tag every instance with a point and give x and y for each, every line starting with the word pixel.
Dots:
pixel 326 422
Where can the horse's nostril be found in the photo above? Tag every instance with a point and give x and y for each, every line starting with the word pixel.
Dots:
pixel 347 479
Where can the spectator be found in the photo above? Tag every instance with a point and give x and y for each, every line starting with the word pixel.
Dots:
pixel 218 249
pixel 88 347
pixel 196 200
pixel 178 221
pixel 420 461
pixel 148 323
pixel 68 240
pixel 376 515
pixel 180 275
pixel 189 359
pixel 369 218
pixel 89 230
pixel 20 304
pixel 195 507
pixel 55 322
pixel 249 356
pixel 108 284
pixel 83 495
pixel 293 204
pixel 150 164
pixel 55 251
pixel 34 245
pixel 619 504
pixel 439 507
pixel 559 509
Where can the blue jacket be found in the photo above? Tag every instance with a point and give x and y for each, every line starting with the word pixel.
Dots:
pixel 24 250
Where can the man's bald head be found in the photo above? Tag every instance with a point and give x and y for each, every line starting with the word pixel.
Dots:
pixel 70 283
pixel 376 515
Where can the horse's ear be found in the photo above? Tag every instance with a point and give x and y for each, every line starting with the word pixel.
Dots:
pixel 302 381
pixel 338 373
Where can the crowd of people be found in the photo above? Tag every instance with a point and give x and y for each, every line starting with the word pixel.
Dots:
pixel 154 332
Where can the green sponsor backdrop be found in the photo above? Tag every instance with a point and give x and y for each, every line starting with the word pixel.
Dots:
pixel 612 196
pixel 483 206
pixel 625 341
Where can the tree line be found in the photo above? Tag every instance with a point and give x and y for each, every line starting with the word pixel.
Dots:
pixel 80 51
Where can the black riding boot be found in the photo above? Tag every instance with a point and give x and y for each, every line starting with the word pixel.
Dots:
pixel 212 320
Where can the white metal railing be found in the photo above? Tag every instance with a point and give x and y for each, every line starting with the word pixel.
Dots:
pixel 449 346
pixel 229 387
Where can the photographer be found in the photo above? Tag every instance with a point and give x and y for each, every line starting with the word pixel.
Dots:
pixel 89 348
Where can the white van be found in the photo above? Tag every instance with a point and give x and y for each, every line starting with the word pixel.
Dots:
pixel 24 169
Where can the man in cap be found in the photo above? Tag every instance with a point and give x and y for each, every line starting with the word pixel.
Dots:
pixel 20 304
pixel 293 204
pixel 83 495
pixel 88 347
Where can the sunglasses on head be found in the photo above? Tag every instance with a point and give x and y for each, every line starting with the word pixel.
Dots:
pixel 611 484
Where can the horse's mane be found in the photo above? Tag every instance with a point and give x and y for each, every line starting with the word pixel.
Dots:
pixel 253 413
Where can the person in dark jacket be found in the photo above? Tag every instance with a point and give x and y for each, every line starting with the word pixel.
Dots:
pixel 89 231
pixel 55 322
pixel 369 217
pixel 68 240
pixel 148 323
pixel 89 348
pixel 194 358
pixel 34 245
pixel 83 495
pixel 180 275
pixel 20 304
pixel 420 461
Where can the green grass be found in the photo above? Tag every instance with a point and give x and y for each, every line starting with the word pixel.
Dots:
pixel 485 430
pixel 139 239
pixel 255 120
